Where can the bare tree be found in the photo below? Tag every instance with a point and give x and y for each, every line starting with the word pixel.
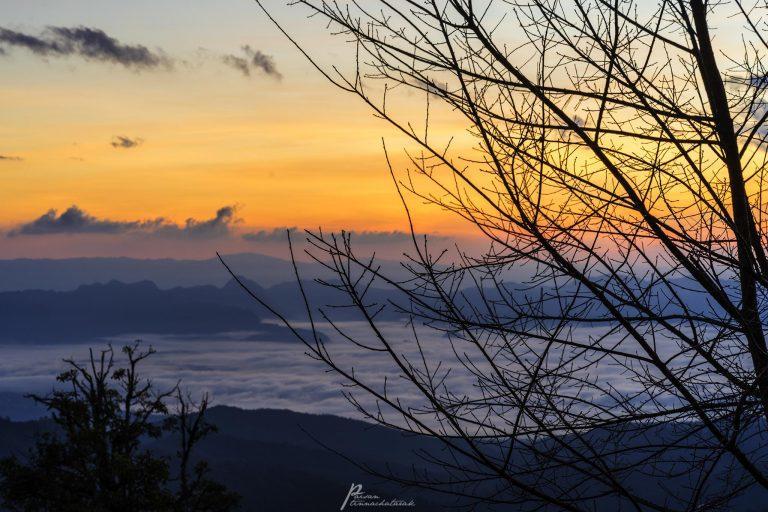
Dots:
pixel 197 491
pixel 619 157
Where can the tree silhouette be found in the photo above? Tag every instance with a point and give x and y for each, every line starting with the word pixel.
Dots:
pixel 94 460
pixel 618 159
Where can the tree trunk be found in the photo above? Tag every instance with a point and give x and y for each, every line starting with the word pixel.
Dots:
pixel 744 226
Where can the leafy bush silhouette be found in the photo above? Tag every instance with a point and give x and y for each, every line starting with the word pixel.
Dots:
pixel 94 459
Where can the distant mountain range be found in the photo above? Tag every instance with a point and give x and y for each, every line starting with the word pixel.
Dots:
pixel 97 311
pixel 68 274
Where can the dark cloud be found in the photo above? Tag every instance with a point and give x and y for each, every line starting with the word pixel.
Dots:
pixel 123 142
pixel 34 44
pixel 10 158
pixel 219 225
pixel 76 221
pixel 364 237
pixel 238 63
pixel 430 86
pixel 269 235
pixel 88 43
pixel 252 60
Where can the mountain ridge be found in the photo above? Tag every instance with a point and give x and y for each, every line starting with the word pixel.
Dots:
pixel 67 274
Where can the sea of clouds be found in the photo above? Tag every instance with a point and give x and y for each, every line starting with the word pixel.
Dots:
pixel 264 373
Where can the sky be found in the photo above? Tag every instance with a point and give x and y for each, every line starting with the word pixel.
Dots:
pixel 173 128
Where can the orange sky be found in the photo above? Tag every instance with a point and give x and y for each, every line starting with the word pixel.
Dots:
pixel 289 152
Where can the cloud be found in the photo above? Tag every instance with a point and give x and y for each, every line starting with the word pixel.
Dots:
pixel 267 373
pixel 76 221
pixel 363 237
pixel 219 225
pixel 269 235
pixel 89 43
pixel 252 60
pixel 10 158
pixel 95 45
pixel 123 142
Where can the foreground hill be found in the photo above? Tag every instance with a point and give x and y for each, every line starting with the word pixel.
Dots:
pixel 270 458
pixel 275 460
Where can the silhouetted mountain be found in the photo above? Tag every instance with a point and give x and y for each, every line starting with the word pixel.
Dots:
pixel 17 407
pixel 282 461
pixel 101 310
pixel 271 459
pixel 68 274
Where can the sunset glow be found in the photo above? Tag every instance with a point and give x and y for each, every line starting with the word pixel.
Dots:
pixel 286 148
